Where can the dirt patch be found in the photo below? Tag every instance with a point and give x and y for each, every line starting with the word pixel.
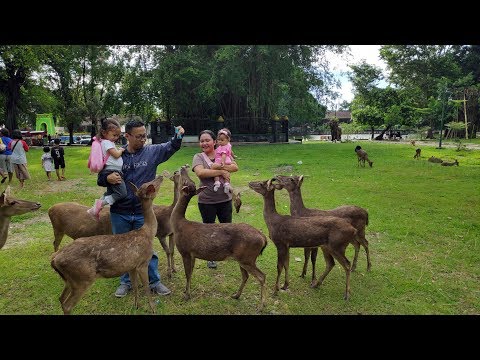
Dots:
pixel 283 169
pixel 16 231
pixel 56 186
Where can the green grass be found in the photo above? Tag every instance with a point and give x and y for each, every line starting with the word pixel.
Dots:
pixel 423 234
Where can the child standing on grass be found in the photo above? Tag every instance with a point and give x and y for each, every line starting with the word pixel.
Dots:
pixel 223 156
pixel 47 162
pixel 58 155
pixel 109 133
pixel 19 157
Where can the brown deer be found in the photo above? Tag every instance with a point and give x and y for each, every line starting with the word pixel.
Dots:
pixel 332 233
pixel 446 163
pixel 106 256
pixel 10 206
pixel 355 215
pixel 418 153
pixel 217 242
pixel 434 159
pixel 83 225
pixel 237 201
pixel 362 156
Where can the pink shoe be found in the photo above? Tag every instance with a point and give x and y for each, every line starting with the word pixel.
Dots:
pixel 95 209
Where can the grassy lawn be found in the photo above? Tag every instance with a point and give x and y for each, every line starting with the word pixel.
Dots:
pixel 423 234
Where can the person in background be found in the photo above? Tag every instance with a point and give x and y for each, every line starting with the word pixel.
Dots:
pixel 47 162
pixel 18 158
pixel 58 155
pixel 5 163
pixel 140 163
pixel 212 204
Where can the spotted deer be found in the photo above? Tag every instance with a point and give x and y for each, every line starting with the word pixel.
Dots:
pixel 10 206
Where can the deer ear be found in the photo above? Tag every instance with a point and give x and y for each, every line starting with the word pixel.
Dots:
pixel 300 180
pixel 150 189
pixel 7 191
pixel 166 174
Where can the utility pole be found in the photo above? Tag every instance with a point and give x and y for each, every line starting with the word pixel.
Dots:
pixel 465 113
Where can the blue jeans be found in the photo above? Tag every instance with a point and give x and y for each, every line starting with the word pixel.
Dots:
pixel 124 223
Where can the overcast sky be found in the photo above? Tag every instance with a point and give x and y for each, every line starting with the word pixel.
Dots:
pixel 340 64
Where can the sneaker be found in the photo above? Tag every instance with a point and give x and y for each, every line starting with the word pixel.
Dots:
pixel 122 290
pixel 216 186
pixel 212 264
pixel 161 289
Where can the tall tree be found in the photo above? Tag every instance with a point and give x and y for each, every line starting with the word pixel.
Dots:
pixel 17 63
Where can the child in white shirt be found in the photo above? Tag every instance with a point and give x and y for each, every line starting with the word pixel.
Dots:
pixel 109 133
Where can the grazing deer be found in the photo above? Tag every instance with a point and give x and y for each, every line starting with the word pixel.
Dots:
pixel 434 159
pixel 362 156
pixel 417 153
pixel 107 256
pixel 10 206
pixel 216 241
pixel 83 225
pixel 446 163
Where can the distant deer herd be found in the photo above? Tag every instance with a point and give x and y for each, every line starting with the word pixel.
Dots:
pixel 96 252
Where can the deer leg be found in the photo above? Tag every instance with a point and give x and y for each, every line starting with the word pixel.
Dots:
pixel 188 266
pixel 342 259
pixel 171 245
pixel 242 285
pixel 76 294
pixel 329 264
pixel 58 239
pixel 313 258
pixel 306 255
pixel 134 280
pixel 356 245
pixel 255 271
pixel 163 242
pixel 281 252
pixel 143 274
pixel 65 293
pixel 286 262
pixel 364 243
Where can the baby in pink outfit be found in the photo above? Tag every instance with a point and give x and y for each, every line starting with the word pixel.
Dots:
pixel 223 156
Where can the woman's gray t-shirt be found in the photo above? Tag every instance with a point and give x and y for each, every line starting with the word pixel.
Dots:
pixel 208 196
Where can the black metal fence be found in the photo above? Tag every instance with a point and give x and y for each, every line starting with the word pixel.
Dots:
pixel 243 129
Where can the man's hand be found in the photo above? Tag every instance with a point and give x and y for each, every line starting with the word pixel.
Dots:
pixel 180 130
pixel 114 178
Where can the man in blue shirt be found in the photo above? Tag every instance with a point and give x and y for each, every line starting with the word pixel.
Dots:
pixel 139 166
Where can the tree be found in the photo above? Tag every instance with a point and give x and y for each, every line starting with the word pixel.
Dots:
pixel 17 63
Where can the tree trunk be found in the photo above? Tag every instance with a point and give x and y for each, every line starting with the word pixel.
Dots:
pixel 13 96
pixel 380 136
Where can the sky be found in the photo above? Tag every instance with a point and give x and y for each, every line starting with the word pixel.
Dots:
pixel 339 64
